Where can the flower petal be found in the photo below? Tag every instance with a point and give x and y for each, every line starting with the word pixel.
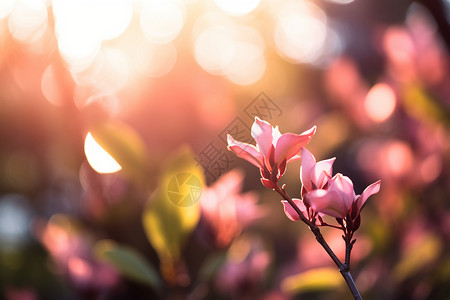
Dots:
pixel 290 211
pixel 289 144
pixel 262 133
pixel 369 191
pixel 276 134
pixel 323 172
pixel 306 169
pixel 245 151
pixel 344 186
pixel 329 202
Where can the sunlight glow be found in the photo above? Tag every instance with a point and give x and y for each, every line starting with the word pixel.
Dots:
pixel 222 47
pixel 237 7
pixel 108 72
pixel 248 65
pixel 214 48
pixel 162 20
pixel 6 7
pixel 28 20
pixel 154 60
pixel 300 32
pixel 100 160
pixel 79 42
pixel 380 102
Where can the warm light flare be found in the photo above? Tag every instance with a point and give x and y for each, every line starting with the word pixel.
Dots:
pixel 28 20
pixel 162 20
pixel 237 7
pixel 6 7
pixel 100 160
pixel 80 41
pixel 225 48
pixel 51 89
pixel 380 102
pixel 214 49
pixel 108 72
pixel 154 60
pixel 300 32
pixel 399 158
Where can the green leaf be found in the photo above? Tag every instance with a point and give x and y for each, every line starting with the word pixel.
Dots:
pixel 128 262
pixel 126 147
pixel 416 257
pixel 173 210
pixel 312 280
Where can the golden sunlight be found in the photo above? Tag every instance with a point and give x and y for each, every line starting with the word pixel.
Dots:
pixel 100 160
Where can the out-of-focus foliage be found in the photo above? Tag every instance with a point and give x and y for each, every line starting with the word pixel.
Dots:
pixel 169 219
pixel 128 261
pixel 312 280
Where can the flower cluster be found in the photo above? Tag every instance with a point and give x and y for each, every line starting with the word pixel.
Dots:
pixel 273 150
pixel 322 193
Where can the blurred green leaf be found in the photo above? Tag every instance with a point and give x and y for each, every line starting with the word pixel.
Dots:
pixel 312 280
pixel 128 262
pixel 211 265
pixel 124 144
pixel 420 105
pixel 424 251
pixel 173 210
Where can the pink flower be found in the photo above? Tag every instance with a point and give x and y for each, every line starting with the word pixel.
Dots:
pixel 273 150
pixel 290 211
pixel 227 210
pixel 314 175
pixel 340 200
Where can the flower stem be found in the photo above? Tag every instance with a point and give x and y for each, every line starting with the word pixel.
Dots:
pixel 344 268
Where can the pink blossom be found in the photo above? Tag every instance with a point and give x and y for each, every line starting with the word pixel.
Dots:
pixel 273 150
pixel 314 175
pixel 339 199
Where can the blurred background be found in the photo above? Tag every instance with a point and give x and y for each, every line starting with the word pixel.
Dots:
pixel 115 180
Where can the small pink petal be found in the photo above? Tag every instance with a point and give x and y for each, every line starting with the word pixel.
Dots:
pixel 323 172
pixel 289 144
pixel 369 191
pixel 262 133
pixel 290 211
pixel 344 186
pixel 245 151
pixel 306 169
pixel 329 202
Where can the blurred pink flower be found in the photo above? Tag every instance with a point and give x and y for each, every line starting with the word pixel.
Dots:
pixel 244 269
pixel 71 251
pixel 227 210
pixel 273 150
pixel 340 200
